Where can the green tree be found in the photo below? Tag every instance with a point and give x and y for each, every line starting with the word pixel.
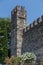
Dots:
pixel 4 37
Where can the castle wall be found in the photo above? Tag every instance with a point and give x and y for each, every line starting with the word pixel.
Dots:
pixel 33 38
pixel 26 39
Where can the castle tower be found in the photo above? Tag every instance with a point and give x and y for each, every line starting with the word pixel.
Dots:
pixel 18 23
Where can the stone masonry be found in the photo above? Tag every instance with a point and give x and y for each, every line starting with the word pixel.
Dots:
pixel 33 38
pixel 26 38
pixel 18 23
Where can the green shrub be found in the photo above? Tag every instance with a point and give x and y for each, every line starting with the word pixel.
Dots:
pixel 17 60
pixel 28 57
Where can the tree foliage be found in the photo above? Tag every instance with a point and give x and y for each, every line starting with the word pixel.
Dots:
pixel 4 36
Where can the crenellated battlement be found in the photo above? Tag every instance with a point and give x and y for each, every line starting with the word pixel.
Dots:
pixel 18 8
pixel 36 22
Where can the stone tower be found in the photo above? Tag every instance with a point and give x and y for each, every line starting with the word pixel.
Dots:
pixel 18 23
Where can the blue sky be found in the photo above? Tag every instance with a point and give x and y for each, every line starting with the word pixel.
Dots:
pixel 34 8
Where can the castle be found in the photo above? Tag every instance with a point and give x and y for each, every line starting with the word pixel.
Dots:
pixel 26 38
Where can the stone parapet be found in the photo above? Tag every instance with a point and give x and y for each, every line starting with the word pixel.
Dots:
pixel 18 8
pixel 35 23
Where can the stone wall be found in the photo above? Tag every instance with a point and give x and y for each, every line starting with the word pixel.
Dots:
pixel 33 38
pixel 26 39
